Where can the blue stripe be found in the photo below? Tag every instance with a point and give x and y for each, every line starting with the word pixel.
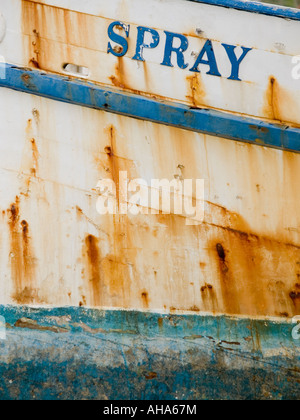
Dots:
pixel 67 353
pixel 256 7
pixel 204 121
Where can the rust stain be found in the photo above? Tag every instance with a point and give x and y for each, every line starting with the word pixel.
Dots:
pixel 92 257
pixel 271 107
pixel 244 267
pixel 31 20
pixel 36 49
pixel 118 79
pixel 33 325
pixel 242 260
pixel 197 92
pixel 30 156
pixel 150 376
pixel 206 287
pixel 279 104
pixel 146 76
pixel 228 287
pixel 115 272
pixel 35 157
pixel 231 343
pixel 194 309
pixel 160 323
pixel 145 299
pixel 209 298
pixel 50 50
pixel 21 258
pixel 113 161
pixel 295 297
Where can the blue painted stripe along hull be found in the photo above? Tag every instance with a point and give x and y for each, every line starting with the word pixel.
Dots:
pixel 206 121
pixel 255 7
pixel 76 353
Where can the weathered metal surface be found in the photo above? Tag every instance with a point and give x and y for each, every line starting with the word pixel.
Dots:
pixel 50 38
pixel 181 116
pixel 84 354
pixel 56 250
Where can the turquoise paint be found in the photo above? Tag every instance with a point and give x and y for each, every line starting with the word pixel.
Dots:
pixel 139 355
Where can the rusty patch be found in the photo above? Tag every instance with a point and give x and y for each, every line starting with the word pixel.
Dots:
pixel 92 257
pixel 113 163
pixel 31 24
pixel 30 156
pixel 25 78
pixel 221 252
pixel 272 100
pixel 284 314
pixel 160 322
pixel 110 151
pixel 33 325
pixel 118 79
pixel 145 299
pixel 241 260
pixel 35 157
pixel 209 298
pixel 21 258
pixel 231 343
pixel 295 295
pixel 197 91
pixel 150 376
pixel 115 272
pixel 36 49
pixel 206 287
pixel 194 309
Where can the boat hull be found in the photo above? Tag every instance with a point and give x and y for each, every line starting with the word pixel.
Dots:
pixel 147 303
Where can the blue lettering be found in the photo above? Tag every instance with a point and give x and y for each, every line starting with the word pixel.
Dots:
pixel 206 56
pixel 169 49
pixel 140 43
pixel 211 60
pixel 235 63
pixel 122 47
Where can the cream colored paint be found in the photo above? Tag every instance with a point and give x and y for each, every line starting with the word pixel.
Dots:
pixel 274 42
pixel 145 262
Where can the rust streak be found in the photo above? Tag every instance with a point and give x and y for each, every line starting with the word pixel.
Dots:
pixel 118 79
pixel 145 299
pixel 150 376
pixel 272 100
pixel 93 262
pixel 21 258
pixel 197 91
pixel 113 161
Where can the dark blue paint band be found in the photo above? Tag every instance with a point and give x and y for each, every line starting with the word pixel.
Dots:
pixel 205 121
pixel 255 7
